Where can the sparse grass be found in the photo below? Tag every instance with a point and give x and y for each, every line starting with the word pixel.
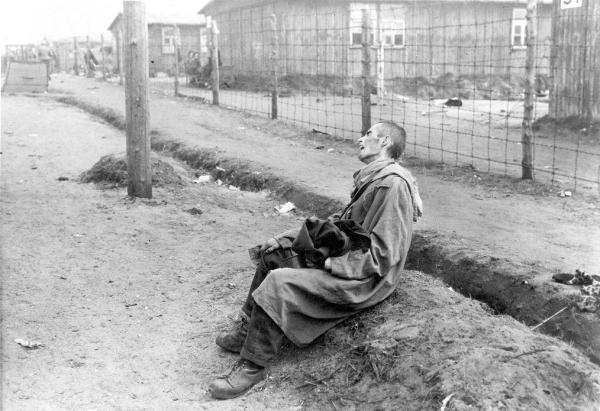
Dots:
pixel 572 128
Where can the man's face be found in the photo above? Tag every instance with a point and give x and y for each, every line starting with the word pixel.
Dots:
pixel 369 145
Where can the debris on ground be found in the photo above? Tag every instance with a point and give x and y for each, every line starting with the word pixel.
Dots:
pixel 579 278
pixel 589 301
pixel 285 208
pixel 233 188
pixel 30 345
pixel 453 102
pixel 590 298
pixel 203 179
pixel 588 304
pixel 63 178
pixel 194 211
pixel 314 130
pixel 549 318
pixel 565 193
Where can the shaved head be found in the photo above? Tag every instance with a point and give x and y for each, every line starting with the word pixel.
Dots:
pixel 397 136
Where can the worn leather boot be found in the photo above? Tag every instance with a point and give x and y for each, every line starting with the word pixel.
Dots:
pixel 233 340
pixel 243 376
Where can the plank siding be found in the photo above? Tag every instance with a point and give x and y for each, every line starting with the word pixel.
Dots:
pixel 576 61
pixel 165 62
pixel 459 38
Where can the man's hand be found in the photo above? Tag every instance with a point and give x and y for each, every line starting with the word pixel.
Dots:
pixel 327 264
pixel 270 246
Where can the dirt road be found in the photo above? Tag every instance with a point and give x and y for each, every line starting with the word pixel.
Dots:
pixel 123 294
pixel 482 133
pixel 549 231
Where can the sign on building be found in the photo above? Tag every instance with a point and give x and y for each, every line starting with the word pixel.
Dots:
pixel 570 4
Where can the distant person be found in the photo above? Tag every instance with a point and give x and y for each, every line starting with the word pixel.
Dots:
pixel 46 56
pixel 307 280
pixel 208 68
pixel 193 67
pixel 90 62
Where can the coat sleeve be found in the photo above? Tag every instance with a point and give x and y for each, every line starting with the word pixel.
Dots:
pixel 389 222
pixel 286 238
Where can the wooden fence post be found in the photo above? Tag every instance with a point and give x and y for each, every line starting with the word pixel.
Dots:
pixel 120 55
pixel 102 53
pixel 274 65
pixel 136 99
pixel 176 83
pixel 526 129
pixel 214 58
pixel 75 56
pixel 380 58
pixel 366 73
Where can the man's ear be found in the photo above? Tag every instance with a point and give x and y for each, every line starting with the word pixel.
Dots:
pixel 386 141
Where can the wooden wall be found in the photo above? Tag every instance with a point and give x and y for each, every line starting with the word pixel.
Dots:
pixel 576 62
pixel 458 38
pixel 190 37
pixel 161 62
pixel 313 38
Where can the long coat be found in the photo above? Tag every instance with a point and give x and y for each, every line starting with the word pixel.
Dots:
pixel 306 302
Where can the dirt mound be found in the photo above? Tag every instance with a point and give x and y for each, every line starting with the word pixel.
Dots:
pixel 426 343
pixel 111 171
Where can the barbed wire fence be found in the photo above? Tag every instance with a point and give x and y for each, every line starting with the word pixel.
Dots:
pixel 472 84
pixel 457 78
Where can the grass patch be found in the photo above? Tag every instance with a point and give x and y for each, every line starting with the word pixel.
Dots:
pixel 111 172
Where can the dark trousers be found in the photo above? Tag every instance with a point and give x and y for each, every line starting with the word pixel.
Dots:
pixel 264 337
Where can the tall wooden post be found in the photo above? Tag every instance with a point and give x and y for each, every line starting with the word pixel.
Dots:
pixel 119 38
pixel 526 129
pixel 87 50
pixel 380 58
pixel 75 56
pixel 135 41
pixel 102 53
pixel 274 65
pixel 176 83
pixel 366 73
pixel 214 56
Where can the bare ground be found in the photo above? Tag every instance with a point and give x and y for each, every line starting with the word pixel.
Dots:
pixel 488 215
pixel 497 239
pixel 126 296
